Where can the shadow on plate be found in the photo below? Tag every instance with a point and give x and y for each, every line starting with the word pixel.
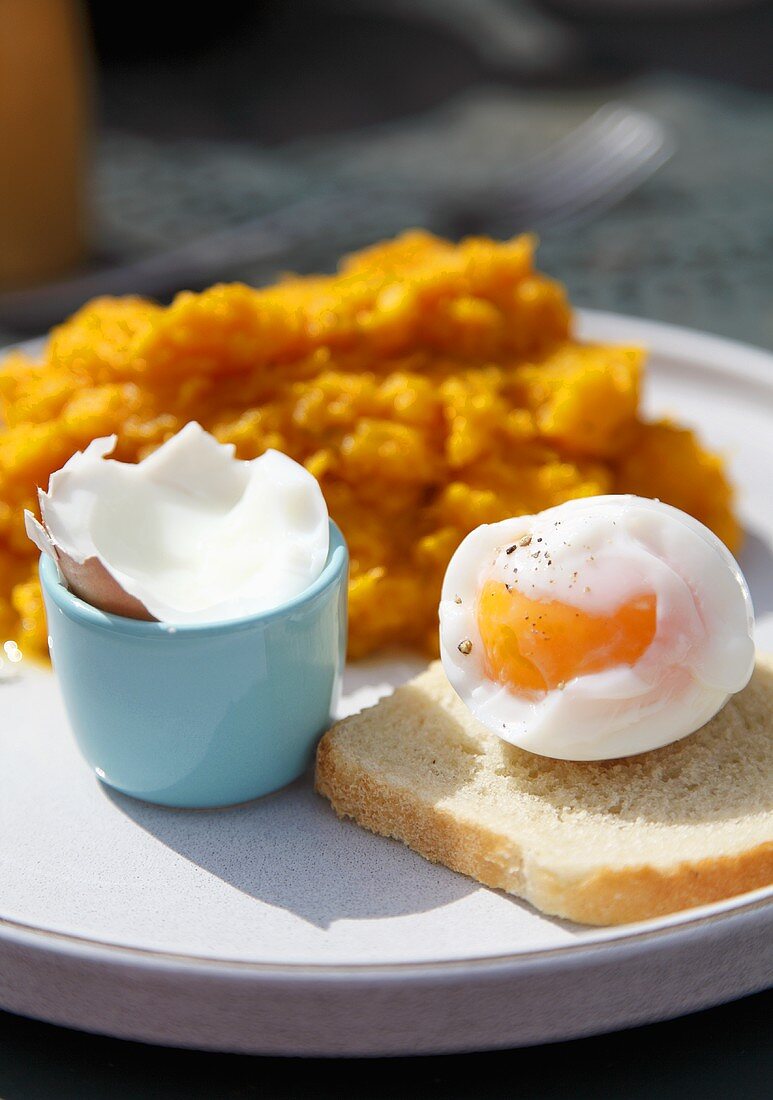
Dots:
pixel 290 850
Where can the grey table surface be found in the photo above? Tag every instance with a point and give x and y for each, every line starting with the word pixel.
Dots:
pixel 694 246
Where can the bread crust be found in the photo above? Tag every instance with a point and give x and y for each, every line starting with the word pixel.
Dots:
pixel 605 896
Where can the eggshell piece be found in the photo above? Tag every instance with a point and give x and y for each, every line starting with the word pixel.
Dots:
pixel 90 581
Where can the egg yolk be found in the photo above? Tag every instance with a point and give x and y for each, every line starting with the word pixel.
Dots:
pixel 535 646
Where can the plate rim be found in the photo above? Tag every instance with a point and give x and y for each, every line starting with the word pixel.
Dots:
pixel 682 923
pixel 753 362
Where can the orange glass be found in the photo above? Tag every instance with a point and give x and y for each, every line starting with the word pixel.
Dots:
pixel 43 137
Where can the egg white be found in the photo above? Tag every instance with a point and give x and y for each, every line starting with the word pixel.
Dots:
pixel 596 554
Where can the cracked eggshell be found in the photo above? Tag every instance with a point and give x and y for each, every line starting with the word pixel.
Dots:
pixel 89 579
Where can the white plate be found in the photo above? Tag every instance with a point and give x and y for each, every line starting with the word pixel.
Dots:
pixel 275 928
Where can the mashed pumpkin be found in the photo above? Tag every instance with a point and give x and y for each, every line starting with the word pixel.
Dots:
pixel 430 387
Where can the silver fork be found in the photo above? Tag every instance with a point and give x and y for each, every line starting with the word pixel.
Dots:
pixel 592 168
pixel 585 173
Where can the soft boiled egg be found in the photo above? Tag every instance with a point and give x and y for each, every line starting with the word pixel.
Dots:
pixel 601 628
pixel 190 534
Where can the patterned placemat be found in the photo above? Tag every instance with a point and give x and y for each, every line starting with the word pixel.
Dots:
pixel 694 245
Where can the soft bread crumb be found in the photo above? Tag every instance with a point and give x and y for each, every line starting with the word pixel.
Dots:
pixel 600 842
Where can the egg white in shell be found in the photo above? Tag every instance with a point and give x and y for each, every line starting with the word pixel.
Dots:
pixel 190 534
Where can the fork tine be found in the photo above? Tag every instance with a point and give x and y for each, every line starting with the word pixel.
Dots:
pixel 606 196
pixel 586 142
pixel 623 138
pixel 620 152
pixel 597 194
pixel 631 150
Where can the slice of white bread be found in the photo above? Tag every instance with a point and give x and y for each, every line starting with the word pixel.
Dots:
pixel 601 842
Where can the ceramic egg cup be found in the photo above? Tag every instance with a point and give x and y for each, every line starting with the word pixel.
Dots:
pixel 201 715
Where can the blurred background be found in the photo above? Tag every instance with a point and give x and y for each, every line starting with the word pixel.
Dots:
pixel 150 147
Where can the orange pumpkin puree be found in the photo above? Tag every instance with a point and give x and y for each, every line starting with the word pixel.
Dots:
pixel 429 386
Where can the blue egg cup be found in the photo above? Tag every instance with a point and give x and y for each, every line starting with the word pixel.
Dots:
pixel 201 715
